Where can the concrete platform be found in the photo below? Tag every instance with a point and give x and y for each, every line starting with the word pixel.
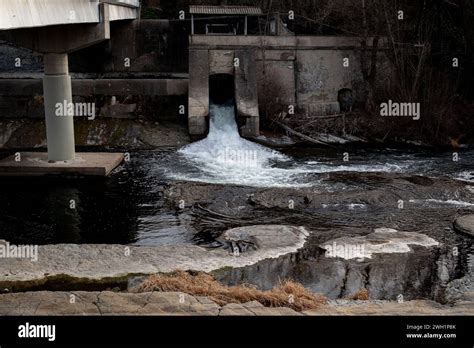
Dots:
pixel 36 164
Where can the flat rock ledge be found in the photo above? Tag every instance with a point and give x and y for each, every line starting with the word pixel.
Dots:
pixel 96 262
pixel 381 241
pixel 465 224
pixel 175 303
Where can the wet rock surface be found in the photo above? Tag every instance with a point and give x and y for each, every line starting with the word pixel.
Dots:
pixel 273 237
pixel 418 256
pixel 465 224
pixel 381 241
pixel 103 263
pixel 405 222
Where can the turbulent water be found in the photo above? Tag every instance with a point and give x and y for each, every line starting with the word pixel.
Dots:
pixel 226 158
pixel 130 205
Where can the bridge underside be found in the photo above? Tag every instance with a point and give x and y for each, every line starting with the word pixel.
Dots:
pixel 55 28
pixel 17 14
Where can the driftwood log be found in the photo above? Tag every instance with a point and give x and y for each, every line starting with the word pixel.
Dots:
pixel 300 135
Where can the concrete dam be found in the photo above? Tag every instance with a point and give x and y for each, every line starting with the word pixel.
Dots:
pixel 302 72
pixel 198 58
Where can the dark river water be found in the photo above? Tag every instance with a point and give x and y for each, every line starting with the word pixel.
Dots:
pixel 129 207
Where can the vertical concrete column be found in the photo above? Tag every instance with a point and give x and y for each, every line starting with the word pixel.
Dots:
pixel 198 99
pixel 57 91
pixel 246 96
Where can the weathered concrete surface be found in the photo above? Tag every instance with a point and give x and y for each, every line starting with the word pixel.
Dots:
pixel 221 62
pixel 97 262
pixel 175 303
pixel 276 79
pixel 246 95
pixel 47 39
pixel 198 108
pixel 304 71
pixel 36 164
pixel 39 13
pixel 274 42
pixel 87 87
pixel 137 40
pixel 320 75
pixel 465 224
pixel 57 90
pixel 132 134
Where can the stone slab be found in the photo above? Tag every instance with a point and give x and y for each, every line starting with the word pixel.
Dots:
pixel 175 303
pixel 36 164
pixel 406 308
pixel 101 262
pixel 465 224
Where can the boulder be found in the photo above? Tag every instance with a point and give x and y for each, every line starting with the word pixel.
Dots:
pixel 465 224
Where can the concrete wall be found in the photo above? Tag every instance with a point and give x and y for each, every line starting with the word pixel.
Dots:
pixel 246 93
pixel 276 77
pixel 198 95
pixel 157 46
pixel 306 72
pixel 221 62
pixel 320 75
pixel 151 98
pixel 206 62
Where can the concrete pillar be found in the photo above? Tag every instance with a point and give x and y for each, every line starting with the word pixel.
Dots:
pixel 57 89
pixel 246 96
pixel 198 95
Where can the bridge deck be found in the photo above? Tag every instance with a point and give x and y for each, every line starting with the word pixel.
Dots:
pixel 16 14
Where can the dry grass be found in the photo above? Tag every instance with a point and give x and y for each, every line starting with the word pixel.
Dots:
pixel 288 294
pixel 361 295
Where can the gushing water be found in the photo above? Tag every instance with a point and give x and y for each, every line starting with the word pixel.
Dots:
pixel 224 157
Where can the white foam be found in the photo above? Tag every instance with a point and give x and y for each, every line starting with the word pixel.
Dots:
pixel 467 175
pixel 452 202
pixel 226 158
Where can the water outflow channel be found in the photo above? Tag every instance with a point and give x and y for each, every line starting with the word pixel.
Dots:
pixel 224 157
pixel 193 194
